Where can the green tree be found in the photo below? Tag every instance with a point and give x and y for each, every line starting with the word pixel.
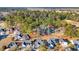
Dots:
pixel 70 31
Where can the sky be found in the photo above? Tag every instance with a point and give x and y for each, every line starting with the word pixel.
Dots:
pixel 40 3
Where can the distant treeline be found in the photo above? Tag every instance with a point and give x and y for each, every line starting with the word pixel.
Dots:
pixel 37 8
pixel 8 9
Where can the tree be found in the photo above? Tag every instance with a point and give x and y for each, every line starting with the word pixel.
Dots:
pixel 42 48
pixel 70 31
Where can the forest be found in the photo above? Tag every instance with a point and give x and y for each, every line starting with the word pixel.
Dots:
pixel 31 19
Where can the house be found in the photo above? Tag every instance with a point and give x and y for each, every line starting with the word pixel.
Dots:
pixel 51 43
pixel 38 43
pixel 11 44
